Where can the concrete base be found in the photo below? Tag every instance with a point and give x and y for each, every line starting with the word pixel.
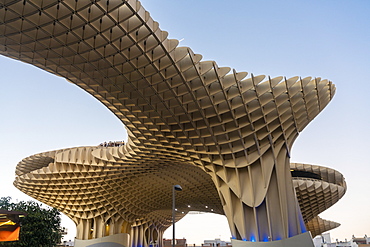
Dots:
pixel 117 240
pixel 302 240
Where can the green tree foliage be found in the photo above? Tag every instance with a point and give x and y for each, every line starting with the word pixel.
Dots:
pixel 41 226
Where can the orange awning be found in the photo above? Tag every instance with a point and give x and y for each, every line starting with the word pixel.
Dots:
pixel 9 233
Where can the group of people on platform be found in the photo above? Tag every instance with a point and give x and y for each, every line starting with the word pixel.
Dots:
pixel 112 144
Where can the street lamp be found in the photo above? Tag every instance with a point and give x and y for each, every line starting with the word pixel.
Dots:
pixel 174 189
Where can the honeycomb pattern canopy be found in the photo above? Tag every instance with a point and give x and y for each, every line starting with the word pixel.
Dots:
pixel 186 118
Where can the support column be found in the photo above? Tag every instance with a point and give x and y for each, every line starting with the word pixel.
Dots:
pixel 143 235
pixel 259 199
pixel 99 227
pixel 80 229
pixel 86 228
pixel 93 234
pixel 112 227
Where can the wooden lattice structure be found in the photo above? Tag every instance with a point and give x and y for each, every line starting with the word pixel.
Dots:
pixel 225 135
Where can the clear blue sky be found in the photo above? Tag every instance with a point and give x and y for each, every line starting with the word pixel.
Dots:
pixel 328 39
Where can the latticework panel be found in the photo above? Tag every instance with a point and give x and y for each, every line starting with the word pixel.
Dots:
pixel 318 226
pixel 177 108
pixel 117 185
pixel 98 186
pixel 316 195
pixel 326 174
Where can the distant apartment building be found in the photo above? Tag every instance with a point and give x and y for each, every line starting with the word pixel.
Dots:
pixel 216 242
pixel 178 242
pixel 324 240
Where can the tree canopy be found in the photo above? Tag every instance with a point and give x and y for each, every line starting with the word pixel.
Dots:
pixel 40 228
